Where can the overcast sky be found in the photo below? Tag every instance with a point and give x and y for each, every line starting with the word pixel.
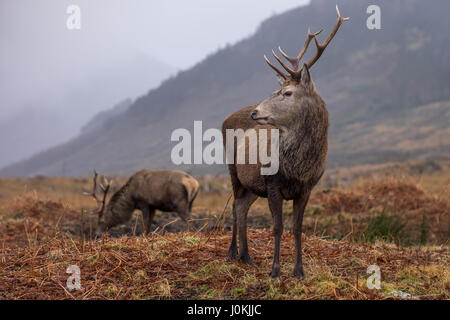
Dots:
pixel 40 57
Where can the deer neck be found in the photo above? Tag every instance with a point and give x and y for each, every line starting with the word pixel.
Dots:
pixel 121 204
pixel 304 144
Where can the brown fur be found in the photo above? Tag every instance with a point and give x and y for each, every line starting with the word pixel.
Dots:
pixel 302 120
pixel 148 190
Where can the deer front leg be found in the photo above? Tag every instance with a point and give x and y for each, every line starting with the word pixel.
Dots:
pixel 299 209
pixel 276 208
pixel 147 214
pixel 148 219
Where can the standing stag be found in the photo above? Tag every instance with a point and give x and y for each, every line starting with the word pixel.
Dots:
pixel 146 190
pixel 300 115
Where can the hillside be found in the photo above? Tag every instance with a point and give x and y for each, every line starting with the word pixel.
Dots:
pixel 387 92
pixel 103 117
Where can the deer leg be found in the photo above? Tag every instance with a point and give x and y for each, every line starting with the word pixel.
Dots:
pixel 148 219
pixel 242 205
pixel 299 209
pixel 182 209
pixel 233 251
pixel 276 208
pixel 147 215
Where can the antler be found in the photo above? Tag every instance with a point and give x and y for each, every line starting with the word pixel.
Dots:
pixel 275 68
pixel 295 62
pixel 321 47
pixel 104 187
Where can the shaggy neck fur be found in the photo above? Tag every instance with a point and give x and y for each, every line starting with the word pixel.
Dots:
pixel 120 205
pixel 304 144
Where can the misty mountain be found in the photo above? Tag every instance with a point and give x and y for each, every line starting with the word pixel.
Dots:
pixel 103 117
pixel 57 116
pixel 386 90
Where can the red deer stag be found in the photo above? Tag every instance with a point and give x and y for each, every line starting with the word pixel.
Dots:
pixel 146 190
pixel 300 115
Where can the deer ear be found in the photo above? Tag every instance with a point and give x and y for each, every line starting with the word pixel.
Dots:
pixel 306 76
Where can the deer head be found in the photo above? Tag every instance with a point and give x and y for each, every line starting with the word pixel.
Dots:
pixel 297 90
pixel 105 186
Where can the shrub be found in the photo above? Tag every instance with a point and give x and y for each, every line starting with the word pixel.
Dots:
pixel 388 228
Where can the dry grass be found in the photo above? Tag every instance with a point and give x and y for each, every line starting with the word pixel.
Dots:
pixel 44 230
pixel 425 215
pixel 176 267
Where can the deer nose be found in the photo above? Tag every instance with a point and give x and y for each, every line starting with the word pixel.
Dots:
pixel 253 114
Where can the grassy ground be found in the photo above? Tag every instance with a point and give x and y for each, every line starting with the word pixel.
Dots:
pixel 398 223
pixel 193 265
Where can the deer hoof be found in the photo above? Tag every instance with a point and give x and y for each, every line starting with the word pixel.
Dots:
pixel 246 259
pixel 275 273
pixel 232 253
pixel 298 273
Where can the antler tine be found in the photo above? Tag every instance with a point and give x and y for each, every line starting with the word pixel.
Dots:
pixel 105 194
pixel 309 37
pixel 291 72
pixel 290 59
pixel 105 182
pixel 105 186
pixel 94 189
pixel 275 68
pixel 321 47
pixel 296 61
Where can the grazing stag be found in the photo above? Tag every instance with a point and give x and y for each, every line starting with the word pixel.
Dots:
pixel 300 115
pixel 146 190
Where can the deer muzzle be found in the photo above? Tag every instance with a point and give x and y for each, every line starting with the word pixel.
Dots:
pixel 258 117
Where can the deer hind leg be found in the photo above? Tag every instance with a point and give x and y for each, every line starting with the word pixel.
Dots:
pixel 233 251
pixel 299 209
pixel 276 208
pixel 180 203
pixel 241 206
pixel 182 209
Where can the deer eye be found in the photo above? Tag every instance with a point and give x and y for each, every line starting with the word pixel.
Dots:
pixel 287 94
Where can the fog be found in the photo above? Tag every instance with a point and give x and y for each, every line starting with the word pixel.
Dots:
pixel 53 80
